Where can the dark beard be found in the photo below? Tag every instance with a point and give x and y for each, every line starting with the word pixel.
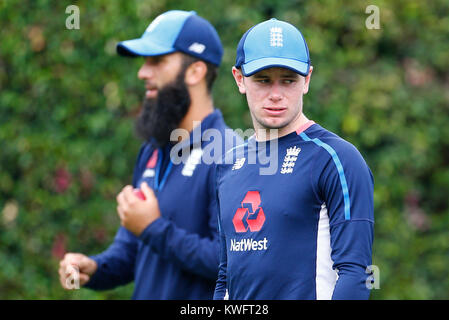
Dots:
pixel 163 114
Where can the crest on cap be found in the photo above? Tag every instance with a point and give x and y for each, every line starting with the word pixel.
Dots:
pixel 276 37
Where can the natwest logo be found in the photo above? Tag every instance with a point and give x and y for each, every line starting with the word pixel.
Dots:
pixel 250 215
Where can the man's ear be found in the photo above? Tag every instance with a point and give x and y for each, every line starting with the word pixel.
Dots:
pixel 307 80
pixel 195 73
pixel 238 77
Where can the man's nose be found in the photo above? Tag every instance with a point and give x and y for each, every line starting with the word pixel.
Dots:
pixel 145 72
pixel 275 92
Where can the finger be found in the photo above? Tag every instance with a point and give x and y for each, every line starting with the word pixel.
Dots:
pixel 69 259
pixel 62 264
pixel 124 208
pixel 72 257
pixel 123 203
pixel 120 213
pixel 84 263
pixel 84 278
pixel 128 194
pixel 61 273
pixel 120 198
pixel 62 280
pixel 147 191
pixel 139 194
pixel 62 269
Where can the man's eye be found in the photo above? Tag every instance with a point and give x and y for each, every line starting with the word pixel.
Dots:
pixel 263 80
pixel 288 81
pixel 155 60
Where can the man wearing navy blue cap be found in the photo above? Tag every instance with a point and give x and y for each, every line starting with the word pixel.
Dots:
pixel 304 231
pixel 168 243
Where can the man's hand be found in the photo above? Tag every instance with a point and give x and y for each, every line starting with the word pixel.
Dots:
pixel 136 214
pixel 75 270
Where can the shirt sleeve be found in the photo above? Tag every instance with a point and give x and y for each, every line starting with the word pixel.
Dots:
pixel 193 252
pixel 221 285
pixel 346 186
pixel 115 264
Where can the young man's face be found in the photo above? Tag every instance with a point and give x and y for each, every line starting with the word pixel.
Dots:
pixel 159 71
pixel 274 97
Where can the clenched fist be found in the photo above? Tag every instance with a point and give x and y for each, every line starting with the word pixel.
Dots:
pixel 136 214
pixel 75 270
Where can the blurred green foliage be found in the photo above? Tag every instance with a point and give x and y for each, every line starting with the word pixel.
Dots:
pixel 67 104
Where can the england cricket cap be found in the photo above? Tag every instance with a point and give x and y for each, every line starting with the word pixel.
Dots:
pixel 173 31
pixel 272 43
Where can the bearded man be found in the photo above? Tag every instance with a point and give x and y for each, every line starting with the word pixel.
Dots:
pixel 168 243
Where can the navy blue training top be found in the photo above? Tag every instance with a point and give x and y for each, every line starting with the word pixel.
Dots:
pixel 299 226
pixel 177 256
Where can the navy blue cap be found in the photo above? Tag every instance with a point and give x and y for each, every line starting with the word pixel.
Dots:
pixel 272 43
pixel 173 31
